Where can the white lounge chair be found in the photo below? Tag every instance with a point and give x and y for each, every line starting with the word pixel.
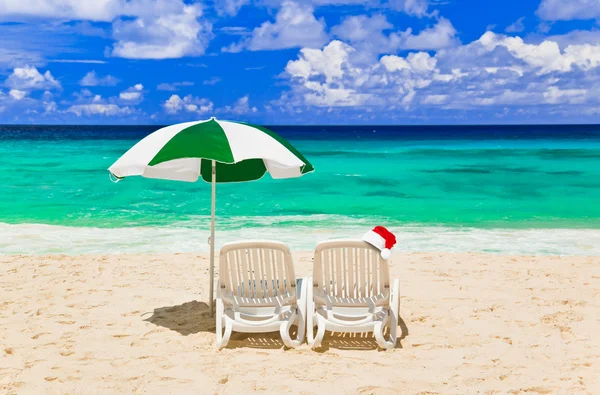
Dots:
pixel 351 292
pixel 258 292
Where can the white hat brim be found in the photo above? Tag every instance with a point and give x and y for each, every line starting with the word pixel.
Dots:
pixel 374 239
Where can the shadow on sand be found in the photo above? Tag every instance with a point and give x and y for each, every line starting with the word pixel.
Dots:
pixel 193 317
pixel 186 319
pixel 359 341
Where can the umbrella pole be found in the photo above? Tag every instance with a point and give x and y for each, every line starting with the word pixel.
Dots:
pixel 212 236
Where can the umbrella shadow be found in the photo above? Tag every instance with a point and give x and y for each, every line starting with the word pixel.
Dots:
pixel 193 317
pixel 186 319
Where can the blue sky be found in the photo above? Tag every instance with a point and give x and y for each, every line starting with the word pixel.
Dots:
pixel 300 61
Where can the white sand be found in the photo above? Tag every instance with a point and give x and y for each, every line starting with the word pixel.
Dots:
pixel 139 324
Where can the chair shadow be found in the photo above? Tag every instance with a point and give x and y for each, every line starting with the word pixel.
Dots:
pixel 359 341
pixel 186 319
pixel 193 317
pixel 265 341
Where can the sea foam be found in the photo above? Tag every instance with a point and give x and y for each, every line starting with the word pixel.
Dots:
pixel 50 239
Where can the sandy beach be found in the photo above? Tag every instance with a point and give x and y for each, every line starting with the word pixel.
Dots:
pixel 471 323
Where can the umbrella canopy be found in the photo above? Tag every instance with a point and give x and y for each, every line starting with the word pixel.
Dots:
pixel 184 152
pixel 216 151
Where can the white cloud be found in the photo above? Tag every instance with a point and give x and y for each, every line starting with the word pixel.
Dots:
pixel 82 94
pixel 16 57
pixel 143 29
pixel 435 99
pixel 327 64
pixel 49 107
pixel 235 47
pixel 97 10
pixel 98 109
pixel 415 62
pixel 367 35
pixel 29 78
pixel 189 103
pixel 24 82
pixel 576 37
pixel 211 81
pixel 441 35
pixel 295 26
pixel 556 95
pixel 241 106
pixel 418 8
pixel 163 36
pixel 85 61
pixel 516 27
pixel 174 86
pixel 229 7
pixel 411 7
pixel 554 10
pixel 338 2
pixel 17 94
pixel 546 56
pixel 88 104
pixel 234 30
pixel 506 97
pixel 494 71
pixel 92 79
pixel 360 28
pixel 544 27
pixel 33 43
pixel 132 94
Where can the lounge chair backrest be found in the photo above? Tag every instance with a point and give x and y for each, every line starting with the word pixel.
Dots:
pixel 350 269
pixel 256 269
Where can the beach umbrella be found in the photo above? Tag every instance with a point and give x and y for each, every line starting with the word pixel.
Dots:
pixel 217 152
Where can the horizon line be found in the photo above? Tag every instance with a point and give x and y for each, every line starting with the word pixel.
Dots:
pixel 315 125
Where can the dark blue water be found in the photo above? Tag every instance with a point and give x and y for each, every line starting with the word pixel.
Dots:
pixel 362 132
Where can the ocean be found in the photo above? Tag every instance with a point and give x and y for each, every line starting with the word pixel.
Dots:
pixel 500 189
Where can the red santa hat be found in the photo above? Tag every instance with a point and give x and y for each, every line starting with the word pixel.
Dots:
pixel 381 238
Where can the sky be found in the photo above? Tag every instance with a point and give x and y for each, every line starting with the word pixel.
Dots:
pixel 300 61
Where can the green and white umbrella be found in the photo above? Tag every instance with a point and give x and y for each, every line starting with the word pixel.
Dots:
pixel 216 151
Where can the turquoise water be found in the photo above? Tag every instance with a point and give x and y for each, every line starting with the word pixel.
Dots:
pixel 406 182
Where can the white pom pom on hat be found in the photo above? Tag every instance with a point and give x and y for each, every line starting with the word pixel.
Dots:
pixel 382 239
pixel 386 253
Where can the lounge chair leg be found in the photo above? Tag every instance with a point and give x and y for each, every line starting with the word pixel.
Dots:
pixel 394 310
pixel 391 320
pixel 320 332
pixel 222 337
pixel 284 330
pixel 378 331
pixel 301 324
pixel 393 325
pixel 301 321
pixel 310 326
pixel 297 318
pixel 310 314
